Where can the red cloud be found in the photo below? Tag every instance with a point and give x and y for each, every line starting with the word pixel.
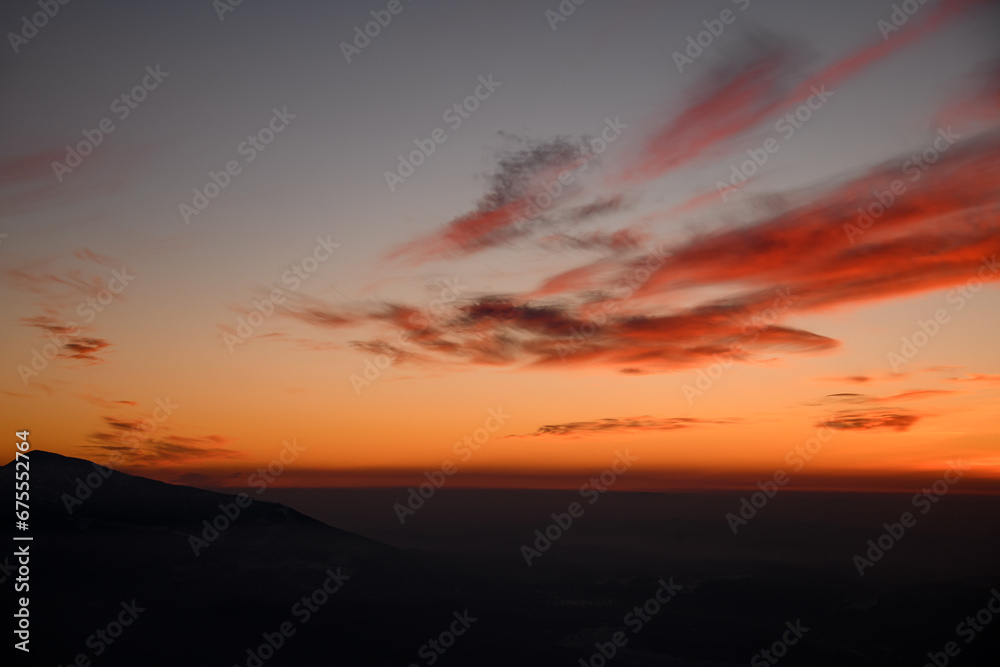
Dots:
pixel 732 104
pixel 937 234
pixel 829 247
pixel 622 312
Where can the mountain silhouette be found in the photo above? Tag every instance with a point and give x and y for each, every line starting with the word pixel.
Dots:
pixel 103 538
pixel 126 570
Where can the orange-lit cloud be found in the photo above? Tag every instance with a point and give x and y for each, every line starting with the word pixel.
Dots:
pixel 616 312
pixel 67 295
pixel 138 443
pixel 977 377
pixel 855 379
pixel 71 344
pixel 633 424
pixel 914 394
pixel 870 420
pixel 106 403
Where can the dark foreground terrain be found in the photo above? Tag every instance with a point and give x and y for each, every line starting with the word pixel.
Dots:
pixel 645 579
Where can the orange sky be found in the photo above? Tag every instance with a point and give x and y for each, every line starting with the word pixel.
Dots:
pixel 598 286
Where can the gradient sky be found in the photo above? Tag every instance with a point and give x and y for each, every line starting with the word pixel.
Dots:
pixel 519 286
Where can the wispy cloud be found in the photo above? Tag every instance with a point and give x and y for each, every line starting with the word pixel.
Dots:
pixel 519 177
pixel 736 101
pixel 911 395
pixel 935 236
pixel 71 344
pixel 138 444
pixel 871 420
pixel 630 424
pixel 102 402
pixel 977 377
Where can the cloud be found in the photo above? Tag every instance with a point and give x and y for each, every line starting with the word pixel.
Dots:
pixel 623 310
pixel 61 280
pixel 870 420
pixel 57 287
pixel 105 403
pixel 598 207
pixel 15 394
pixel 728 106
pixel 589 276
pixel 725 106
pixel 918 394
pixel 938 234
pixel 913 394
pixel 856 379
pixel 90 255
pixel 85 349
pixel 316 312
pixel 637 310
pixel 724 109
pixel 889 376
pixel 503 330
pixel 29 182
pixel 977 377
pixel 615 242
pixel 170 451
pixel 142 443
pixel 71 345
pixel 644 423
pixel 519 177
pixel 63 290
pixel 497 330
pixel 518 172
pixel 196 479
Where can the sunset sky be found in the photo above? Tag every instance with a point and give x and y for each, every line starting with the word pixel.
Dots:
pixel 570 257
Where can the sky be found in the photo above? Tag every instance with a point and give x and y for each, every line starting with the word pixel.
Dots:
pixel 508 240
